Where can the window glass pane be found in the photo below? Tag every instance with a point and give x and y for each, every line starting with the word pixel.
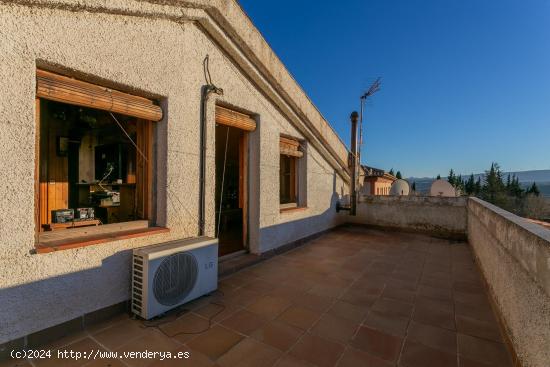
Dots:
pixel 90 170
pixel 287 183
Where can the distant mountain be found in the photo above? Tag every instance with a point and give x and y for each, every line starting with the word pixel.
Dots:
pixel 526 179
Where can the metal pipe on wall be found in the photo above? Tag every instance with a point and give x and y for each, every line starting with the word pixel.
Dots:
pixel 353 194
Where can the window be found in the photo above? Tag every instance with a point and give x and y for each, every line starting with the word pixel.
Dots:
pixel 95 163
pixel 289 174
pixel 288 180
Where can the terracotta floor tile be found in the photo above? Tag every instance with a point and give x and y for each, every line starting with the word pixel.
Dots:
pixel 427 291
pixel 73 337
pixel 465 362
pixel 249 353
pixel 433 303
pixel 240 297
pixel 431 336
pixel 435 317
pixel 313 302
pixel 359 298
pixel 217 311
pixel 278 335
pixel 259 286
pixel 387 324
pixel 348 311
pixel 244 322
pixel 408 285
pixel 377 343
pixel 112 363
pixel 289 361
pixel 269 306
pixel 299 317
pixel 468 287
pixel 473 299
pixel 153 340
pixel 83 346
pixel 356 358
pixel 120 333
pixel 483 313
pixel 335 328
pixel 419 355
pixel 482 350
pixel 215 342
pixel 194 359
pixel 285 292
pixel 317 351
pixel 236 280
pixel 15 363
pixel 436 282
pixel 185 327
pixel 391 307
pixel 404 295
pixel 325 290
pixel 481 329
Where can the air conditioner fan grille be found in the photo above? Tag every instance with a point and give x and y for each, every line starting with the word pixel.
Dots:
pixel 175 278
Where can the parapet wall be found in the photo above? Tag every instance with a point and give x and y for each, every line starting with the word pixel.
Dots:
pixel 440 216
pixel 514 257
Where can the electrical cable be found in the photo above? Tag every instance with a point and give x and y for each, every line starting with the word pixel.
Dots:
pixel 175 315
pixel 223 182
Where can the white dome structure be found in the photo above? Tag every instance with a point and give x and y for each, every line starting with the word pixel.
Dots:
pixel 442 188
pixel 400 188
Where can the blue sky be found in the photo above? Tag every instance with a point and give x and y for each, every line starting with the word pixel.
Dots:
pixel 464 82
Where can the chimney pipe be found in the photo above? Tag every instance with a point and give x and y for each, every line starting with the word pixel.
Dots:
pixel 354 154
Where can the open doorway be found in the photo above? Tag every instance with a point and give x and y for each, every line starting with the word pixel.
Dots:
pixel 231 188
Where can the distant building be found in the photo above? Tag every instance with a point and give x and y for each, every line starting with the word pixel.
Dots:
pixel 376 181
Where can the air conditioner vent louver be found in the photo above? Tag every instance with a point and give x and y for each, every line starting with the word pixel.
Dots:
pixel 175 278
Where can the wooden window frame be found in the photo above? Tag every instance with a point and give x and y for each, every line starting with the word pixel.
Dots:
pixel 291 148
pixel 138 107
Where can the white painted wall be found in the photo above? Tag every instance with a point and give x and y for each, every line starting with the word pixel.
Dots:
pixel 154 57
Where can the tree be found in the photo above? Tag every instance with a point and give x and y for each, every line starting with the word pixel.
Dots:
pixel 451 178
pixel 515 189
pixel 391 172
pixel 533 190
pixel 477 187
pixel 398 175
pixel 494 190
pixel 470 185
pixel 534 206
pixel 414 186
pixel 438 177
pixel 459 183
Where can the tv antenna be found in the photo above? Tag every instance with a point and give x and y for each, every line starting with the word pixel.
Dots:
pixel 374 87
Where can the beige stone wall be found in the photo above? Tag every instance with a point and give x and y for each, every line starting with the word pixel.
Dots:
pixel 514 257
pixel 446 217
pixel 158 56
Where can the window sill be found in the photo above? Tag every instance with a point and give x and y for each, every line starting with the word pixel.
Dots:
pixel 293 209
pixel 82 237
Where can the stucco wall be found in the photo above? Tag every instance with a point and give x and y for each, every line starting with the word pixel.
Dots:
pixel 155 57
pixel 435 215
pixel 514 256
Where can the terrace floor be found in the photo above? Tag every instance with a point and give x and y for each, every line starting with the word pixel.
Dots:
pixel 352 297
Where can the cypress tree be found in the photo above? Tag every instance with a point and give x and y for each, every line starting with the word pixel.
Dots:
pixel 470 185
pixel 493 189
pixel 451 178
pixel 477 187
pixel 398 175
pixel 534 189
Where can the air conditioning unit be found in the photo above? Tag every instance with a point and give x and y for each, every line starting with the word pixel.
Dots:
pixel 167 275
